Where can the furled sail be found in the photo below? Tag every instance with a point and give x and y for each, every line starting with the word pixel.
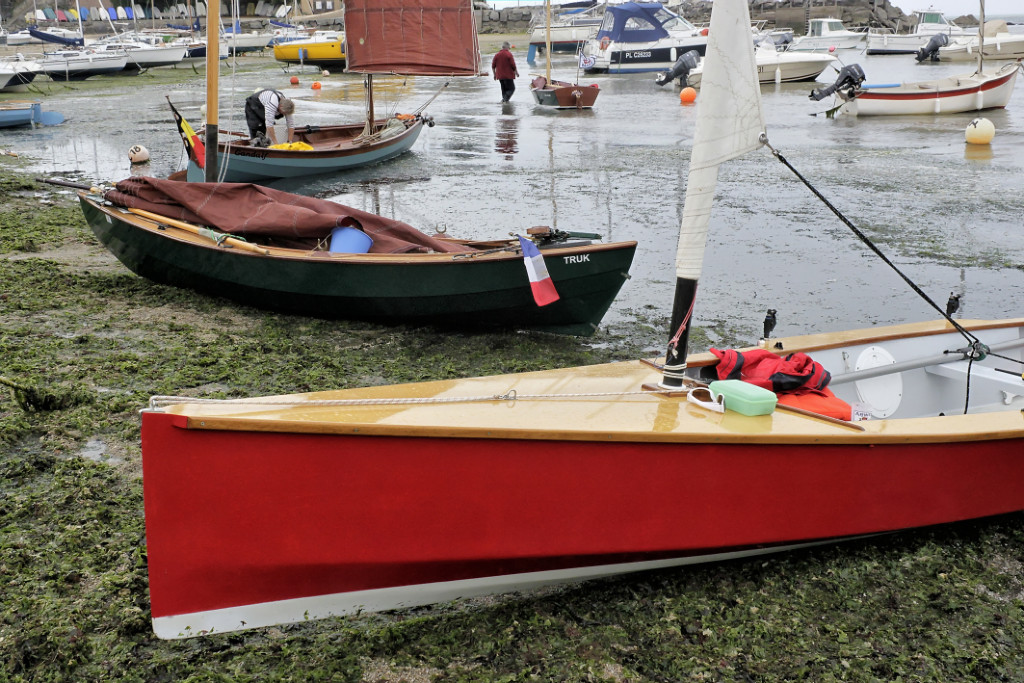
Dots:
pixel 729 123
pixel 423 37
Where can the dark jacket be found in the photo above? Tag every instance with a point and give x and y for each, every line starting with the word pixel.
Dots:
pixel 504 65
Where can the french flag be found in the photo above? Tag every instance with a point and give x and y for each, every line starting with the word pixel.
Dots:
pixel 540 282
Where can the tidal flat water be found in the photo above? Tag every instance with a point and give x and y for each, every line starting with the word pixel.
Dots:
pixel 950 215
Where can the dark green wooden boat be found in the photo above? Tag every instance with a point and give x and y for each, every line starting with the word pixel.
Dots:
pixel 470 284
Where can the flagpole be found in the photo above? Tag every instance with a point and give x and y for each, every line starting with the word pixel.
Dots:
pixel 212 85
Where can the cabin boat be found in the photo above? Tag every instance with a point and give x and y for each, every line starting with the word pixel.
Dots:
pixel 825 33
pixel 927 24
pixel 775 66
pixel 569 31
pixel 636 37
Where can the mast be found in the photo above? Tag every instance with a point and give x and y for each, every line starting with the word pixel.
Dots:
pixel 369 104
pixel 547 41
pixel 212 85
pixel 730 122
pixel 81 31
pixel 981 38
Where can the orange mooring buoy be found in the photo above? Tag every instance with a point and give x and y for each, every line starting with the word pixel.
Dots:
pixel 687 95
pixel 295 80
pixel 316 85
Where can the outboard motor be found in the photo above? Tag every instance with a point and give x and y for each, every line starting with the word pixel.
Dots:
pixel 681 69
pixel 931 50
pixel 849 77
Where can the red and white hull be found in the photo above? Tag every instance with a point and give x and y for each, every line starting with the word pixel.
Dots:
pixel 951 95
pixel 325 504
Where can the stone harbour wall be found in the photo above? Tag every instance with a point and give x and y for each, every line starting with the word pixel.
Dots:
pixel 510 20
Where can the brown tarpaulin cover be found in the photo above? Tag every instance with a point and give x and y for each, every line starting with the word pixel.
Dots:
pixel 414 37
pixel 275 216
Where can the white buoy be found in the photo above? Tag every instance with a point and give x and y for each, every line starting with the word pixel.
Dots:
pixel 138 154
pixel 325 73
pixel 979 132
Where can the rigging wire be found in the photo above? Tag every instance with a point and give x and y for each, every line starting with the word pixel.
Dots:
pixel 871 245
pixel 975 350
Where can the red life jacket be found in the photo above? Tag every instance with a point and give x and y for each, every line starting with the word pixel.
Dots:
pixel 795 372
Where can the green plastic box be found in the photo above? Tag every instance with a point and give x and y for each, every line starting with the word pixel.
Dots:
pixel 743 397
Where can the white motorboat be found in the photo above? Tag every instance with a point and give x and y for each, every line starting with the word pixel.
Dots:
pixel 927 23
pixel 774 66
pixel 999 44
pixel 568 31
pixel 826 33
pixel 636 37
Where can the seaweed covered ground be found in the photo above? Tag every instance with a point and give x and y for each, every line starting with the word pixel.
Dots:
pixel 84 343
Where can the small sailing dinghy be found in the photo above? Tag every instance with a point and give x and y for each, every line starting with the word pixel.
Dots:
pixel 438 38
pixel 560 94
pixel 277 509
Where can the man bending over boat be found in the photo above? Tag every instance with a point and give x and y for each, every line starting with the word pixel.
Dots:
pixel 262 109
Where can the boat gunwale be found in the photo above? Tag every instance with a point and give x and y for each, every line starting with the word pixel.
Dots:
pixel 309 255
pixel 779 427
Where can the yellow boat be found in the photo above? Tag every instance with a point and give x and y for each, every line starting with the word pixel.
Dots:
pixel 323 49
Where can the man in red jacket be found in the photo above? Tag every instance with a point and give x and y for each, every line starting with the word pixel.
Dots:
pixel 503 65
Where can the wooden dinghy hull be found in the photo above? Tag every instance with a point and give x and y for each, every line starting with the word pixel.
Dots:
pixel 274 510
pixel 468 291
pixel 561 95
pixel 335 148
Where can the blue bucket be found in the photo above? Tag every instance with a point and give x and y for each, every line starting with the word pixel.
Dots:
pixel 349 240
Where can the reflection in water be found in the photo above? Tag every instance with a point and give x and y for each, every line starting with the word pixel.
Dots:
pixel 978 152
pixel 506 136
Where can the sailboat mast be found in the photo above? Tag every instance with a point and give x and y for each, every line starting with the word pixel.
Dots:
pixel 730 122
pixel 81 31
pixel 547 40
pixel 981 37
pixel 370 121
pixel 212 85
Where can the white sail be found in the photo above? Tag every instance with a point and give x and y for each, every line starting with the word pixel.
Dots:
pixel 729 123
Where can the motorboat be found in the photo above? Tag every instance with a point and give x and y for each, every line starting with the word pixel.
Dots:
pixel 636 37
pixel 778 66
pixel 999 44
pixel 825 33
pixel 927 23
pixel 949 95
pixel 568 32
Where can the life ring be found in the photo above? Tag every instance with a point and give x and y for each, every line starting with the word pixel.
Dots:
pixel 605 42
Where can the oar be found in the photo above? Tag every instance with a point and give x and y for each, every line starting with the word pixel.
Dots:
pixel 218 237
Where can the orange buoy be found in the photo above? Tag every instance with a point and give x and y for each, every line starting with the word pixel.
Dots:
pixel 687 95
pixel 316 85
pixel 295 80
